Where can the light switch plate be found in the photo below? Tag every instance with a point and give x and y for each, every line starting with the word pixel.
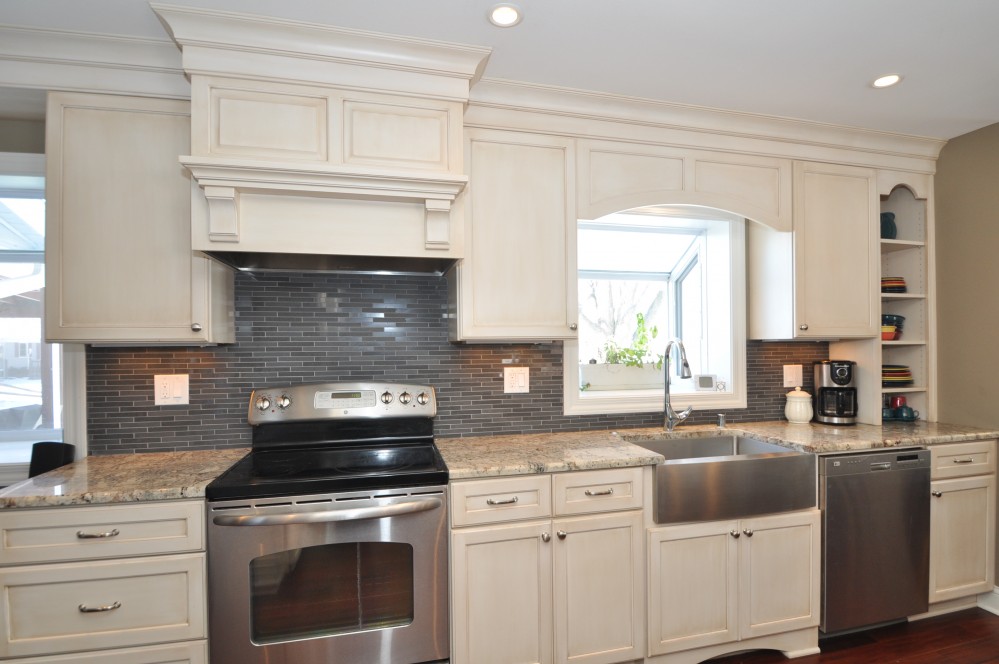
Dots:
pixel 516 380
pixel 792 375
pixel 171 390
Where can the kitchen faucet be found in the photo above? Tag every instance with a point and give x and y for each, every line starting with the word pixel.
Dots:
pixel 671 417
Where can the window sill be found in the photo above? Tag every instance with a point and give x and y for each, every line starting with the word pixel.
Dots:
pixel 648 401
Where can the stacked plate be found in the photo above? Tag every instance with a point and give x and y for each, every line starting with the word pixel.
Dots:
pixel 892 284
pixel 895 375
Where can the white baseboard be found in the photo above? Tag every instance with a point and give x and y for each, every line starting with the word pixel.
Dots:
pixel 990 601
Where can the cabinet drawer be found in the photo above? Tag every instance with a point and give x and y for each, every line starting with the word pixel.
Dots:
pixel 977 457
pixel 85 533
pixel 44 608
pixel 194 652
pixel 598 491
pixel 495 501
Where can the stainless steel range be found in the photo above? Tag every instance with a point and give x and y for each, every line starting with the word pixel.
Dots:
pixel 328 542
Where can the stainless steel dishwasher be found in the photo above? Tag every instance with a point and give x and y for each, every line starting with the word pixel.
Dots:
pixel 875 535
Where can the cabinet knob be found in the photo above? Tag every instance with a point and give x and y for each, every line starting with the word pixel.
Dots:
pixel 545 537
pixel 803 326
pixel 747 532
pixel 736 534
pixel 573 327
pixel 936 494
pixel 561 534
pixel 196 327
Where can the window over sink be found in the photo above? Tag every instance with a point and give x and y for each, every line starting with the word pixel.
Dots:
pixel 646 276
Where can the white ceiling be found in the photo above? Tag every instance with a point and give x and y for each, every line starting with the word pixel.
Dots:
pixel 806 59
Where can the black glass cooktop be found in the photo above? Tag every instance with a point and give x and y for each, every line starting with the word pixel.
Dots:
pixel 289 471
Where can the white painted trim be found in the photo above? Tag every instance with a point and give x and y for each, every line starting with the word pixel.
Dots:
pixel 74 397
pixel 244 45
pixel 990 601
pixel 86 62
pixel 502 104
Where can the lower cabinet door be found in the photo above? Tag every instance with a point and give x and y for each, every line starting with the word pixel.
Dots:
pixel 501 579
pixel 62 608
pixel 598 588
pixel 193 652
pixel 693 586
pixel 962 537
pixel 779 573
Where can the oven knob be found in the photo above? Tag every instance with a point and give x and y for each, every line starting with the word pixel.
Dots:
pixel 263 403
pixel 283 401
pixel 423 398
pixel 405 397
pixel 386 397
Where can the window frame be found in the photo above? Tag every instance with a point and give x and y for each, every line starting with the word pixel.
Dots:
pixel 74 368
pixel 577 402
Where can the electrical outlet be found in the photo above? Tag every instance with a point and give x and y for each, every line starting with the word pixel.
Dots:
pixel 792 375
pixel 516 380
pixel 171 390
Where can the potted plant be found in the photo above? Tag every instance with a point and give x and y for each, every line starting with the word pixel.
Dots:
pixel 634 367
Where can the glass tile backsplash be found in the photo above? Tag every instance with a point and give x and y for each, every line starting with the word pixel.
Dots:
pixel 294 328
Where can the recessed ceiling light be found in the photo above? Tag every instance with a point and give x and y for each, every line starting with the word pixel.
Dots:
pixel 505 15
pixel 887 81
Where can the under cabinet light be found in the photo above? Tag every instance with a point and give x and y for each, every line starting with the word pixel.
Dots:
pixel 505 15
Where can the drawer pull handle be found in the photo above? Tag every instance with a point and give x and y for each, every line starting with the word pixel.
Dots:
pixel 606 492
pixel 508 501
pixel 968 460
pixel 936 494
pixel 111 533
pixel 99 609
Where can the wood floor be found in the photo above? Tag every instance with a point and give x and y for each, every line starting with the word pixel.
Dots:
pixel 964 637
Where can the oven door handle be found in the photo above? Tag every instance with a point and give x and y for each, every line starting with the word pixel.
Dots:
pixel 350 514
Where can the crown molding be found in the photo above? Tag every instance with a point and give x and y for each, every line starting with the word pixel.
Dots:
pixel 498 103
pixel 87 62
pixel 241 45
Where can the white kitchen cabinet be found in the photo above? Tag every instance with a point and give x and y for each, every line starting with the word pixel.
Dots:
pixel 716 587
pixel 615 176
pixel 962 520
pixel 118 257
pixel 563 589
pixel 518 279
pixel 77 584
pixel 819 280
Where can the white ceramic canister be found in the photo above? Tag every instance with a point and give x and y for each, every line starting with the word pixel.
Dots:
pixel 798 409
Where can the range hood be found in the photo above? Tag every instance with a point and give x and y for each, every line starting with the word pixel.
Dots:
pixel 322 148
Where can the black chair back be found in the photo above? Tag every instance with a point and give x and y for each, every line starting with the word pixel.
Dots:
pixel 49 456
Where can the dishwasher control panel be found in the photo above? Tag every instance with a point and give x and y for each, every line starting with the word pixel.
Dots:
pixel 872 462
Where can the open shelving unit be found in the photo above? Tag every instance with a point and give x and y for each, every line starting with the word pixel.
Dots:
pixel 908 255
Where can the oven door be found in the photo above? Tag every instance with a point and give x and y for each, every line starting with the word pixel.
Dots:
pixel 352 577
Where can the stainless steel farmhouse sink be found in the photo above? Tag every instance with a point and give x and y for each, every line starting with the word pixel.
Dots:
pixel 728 477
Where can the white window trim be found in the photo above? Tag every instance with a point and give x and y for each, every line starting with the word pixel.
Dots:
pixel 576 402
pixel 74 364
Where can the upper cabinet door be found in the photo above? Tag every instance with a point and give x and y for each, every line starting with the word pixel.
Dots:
pixel 517 281
pixel 835 251
pixel 119 264
pixel 820 279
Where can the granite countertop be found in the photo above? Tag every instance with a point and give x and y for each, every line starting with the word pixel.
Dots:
pixel 491 456
pixel 123 478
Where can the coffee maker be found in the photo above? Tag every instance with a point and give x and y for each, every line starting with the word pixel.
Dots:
pixel 835 392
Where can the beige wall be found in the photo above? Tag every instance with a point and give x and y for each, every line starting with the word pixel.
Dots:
pixel 22 136
pixel 967 239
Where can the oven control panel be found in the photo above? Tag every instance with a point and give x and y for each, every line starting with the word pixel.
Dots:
pixel 322 401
